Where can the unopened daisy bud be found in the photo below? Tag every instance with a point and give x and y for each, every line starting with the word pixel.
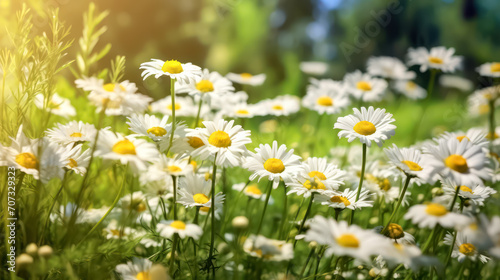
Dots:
pixel 437 191
pixel 394 231
pixel 420 197
pixel 24 260
pixel 373 272
pixel 313 244
pixel 45 251
pixel 32 249
pixel 158 272
pixel 240 222
pixel 373 220
pixel 467 202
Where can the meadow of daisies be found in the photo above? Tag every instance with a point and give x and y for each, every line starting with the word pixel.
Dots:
pixel 104 182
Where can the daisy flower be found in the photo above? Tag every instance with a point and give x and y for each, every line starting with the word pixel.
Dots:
pixel 345 199
pixel 165 166
pixel 222 140
pixel 410 89
pixel 251 190
pixel 439 58
pixel 180 72
pixel 240 110
pixel 330 100
pixel 364 87
pixel 493 228
pixel 429 215
pixel 137 269
pixel 247 78
pixel 316 175
pixel 397 234
pixel 491 69
pixel 184 106
pixel 273 162
pixel 410 161
pixel 389 68
pixel 57 105
pixel 268 249
pixel 134 202
pixel 476 136
pixel 126 149
pixel 282 105
pixel 463 248
pixel 474 194
pixel 366 125
pixel 460 161
pixel 150 126
pixel 72 132
pixel 167 229
pixel 316 68
pixel 23 154
pixel 194 191
pixel 75 158
pixel 114 231
pixel 345 240
pixel 207 86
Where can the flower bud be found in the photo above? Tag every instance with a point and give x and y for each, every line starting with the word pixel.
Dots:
pixel 45 251
pixel 240 222
pixel 32 249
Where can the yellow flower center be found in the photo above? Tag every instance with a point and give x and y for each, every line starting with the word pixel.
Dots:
pixel 316 185
pixel 411 85
pixel 466 189
pixel 115 232
pixel 412 165
pixel 177 106
pixel 495 136
pixel 495 67
pixel 277 107
pixel 200 198
pixel 124 147
pixel 144 275
pixel 246 76
pixel 365 128
pixel 484 109
pixel 72 163
pixel 174 168
pixel 362 85
pixel 435 60
pixel 242 112
pixel 325 101
pixel 318 174
pixel 141 207
pixel 157 131
pixel 205 86
pixel 208 176
pixel 204 209
pixel 172 67
pixel 274 165
pixel 53 105
pixel 253 189
pixel 27 160
pixel 384 184
pixel 76 134
pixel 467 249
pixel 178 224
pixel 109 87
pixel 457 163
pixel 340 199
pixel 460 138
pixel 194 164
pixel 220 139
pixel 348 240
pixel 394 231
pixel 195 142
pixel 435 209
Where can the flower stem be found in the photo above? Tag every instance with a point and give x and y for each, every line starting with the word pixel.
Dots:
pixel 269 189
pixel 361 178
pixel 172 254
pixel 197 120
pixel 311 252
pixel 174 180
pixel 401 197
pixel 172 94
pixel 283 214
pixel 212 210
pixel 305 217
pixel 63 182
